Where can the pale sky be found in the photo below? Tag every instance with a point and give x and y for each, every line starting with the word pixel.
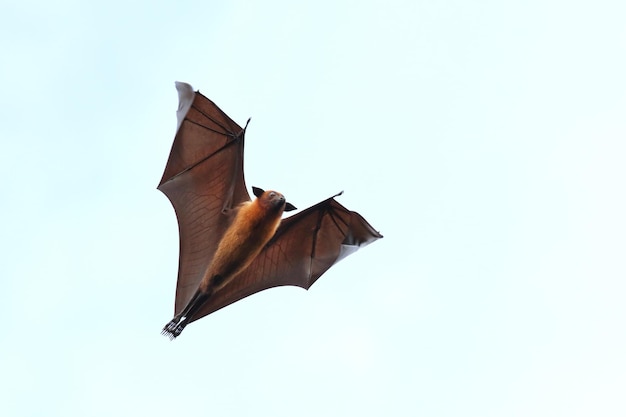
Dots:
pixel 484 139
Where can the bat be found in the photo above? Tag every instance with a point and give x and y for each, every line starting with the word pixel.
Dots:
pixel 232 247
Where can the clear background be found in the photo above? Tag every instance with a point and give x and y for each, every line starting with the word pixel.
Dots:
pixel 484 139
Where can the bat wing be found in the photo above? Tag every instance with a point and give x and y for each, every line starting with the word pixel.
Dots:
pixel 203 180
pixel 303 248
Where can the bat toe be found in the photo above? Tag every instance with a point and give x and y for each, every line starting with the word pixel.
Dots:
pixel 173 329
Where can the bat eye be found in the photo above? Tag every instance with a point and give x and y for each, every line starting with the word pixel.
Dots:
pixel 272 194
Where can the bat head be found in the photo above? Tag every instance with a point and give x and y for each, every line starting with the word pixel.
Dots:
pixel 273 199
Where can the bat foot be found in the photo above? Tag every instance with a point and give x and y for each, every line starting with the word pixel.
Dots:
pixel 173 329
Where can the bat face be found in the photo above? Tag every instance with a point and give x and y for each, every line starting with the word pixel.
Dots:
pixel 273 200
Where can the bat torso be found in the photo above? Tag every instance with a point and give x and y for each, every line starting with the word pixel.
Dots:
pixel 253 226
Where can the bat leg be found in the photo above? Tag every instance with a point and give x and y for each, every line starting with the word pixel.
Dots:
pixel 176 326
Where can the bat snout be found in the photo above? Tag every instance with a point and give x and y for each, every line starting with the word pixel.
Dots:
pixel 279 200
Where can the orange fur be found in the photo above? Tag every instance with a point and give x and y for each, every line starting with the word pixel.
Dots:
pixel 253 226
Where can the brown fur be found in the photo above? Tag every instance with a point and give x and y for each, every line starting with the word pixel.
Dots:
pixel 253 226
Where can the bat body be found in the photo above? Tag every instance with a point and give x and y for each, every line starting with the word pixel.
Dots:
pixel 253 226
pixel 231 247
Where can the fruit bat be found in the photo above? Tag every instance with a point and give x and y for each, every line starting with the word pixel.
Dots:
pixel 232 247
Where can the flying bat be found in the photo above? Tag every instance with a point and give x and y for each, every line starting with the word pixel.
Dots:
pixel 232 247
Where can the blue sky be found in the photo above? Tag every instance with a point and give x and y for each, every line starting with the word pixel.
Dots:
pixel 485 140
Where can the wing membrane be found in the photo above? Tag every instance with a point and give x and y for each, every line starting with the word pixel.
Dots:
pixel 304 247
pixel 203 180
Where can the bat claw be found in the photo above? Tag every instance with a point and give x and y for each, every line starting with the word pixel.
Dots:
pixel 173 329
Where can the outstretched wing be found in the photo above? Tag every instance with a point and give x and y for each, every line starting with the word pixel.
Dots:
pixel 203 180
pixel 303 248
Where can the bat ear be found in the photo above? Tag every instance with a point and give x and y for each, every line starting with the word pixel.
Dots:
pixel 257 191
pixel 289 207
